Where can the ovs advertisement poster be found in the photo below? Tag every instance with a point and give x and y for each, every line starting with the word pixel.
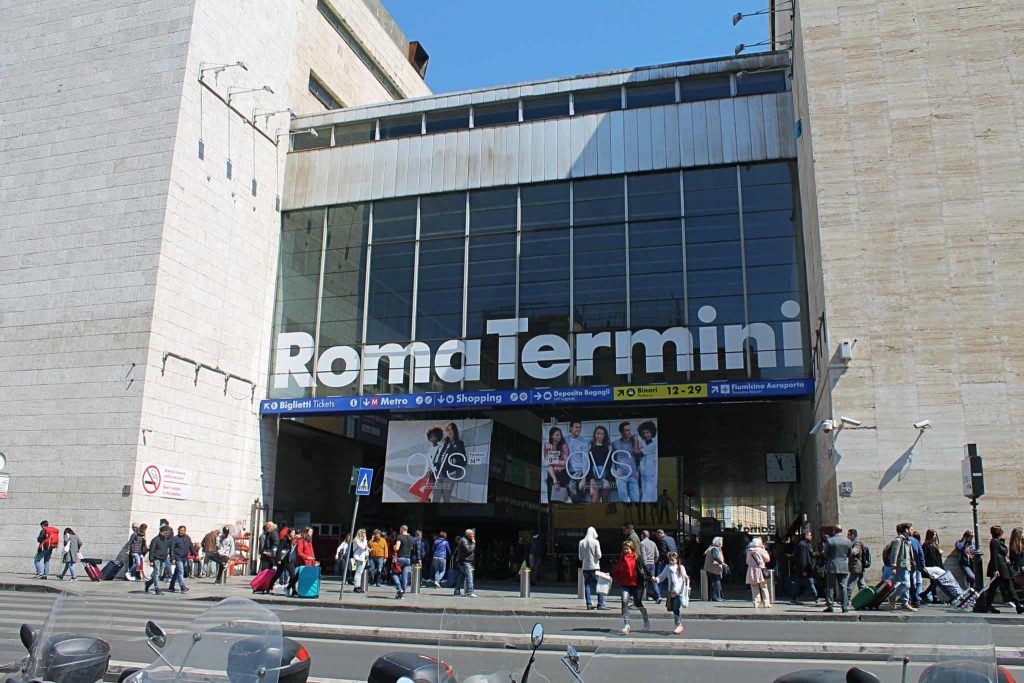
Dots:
pixel 437 462
pixel 599 461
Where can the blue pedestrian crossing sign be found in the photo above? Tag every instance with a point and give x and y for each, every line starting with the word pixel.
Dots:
pixel 363 481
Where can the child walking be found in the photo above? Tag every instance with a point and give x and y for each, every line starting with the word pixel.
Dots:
pixel 678 581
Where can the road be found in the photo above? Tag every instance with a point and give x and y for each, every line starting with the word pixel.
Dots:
pixel 348 653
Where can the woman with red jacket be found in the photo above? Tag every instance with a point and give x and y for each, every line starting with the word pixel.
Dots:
pixel 626 573
pixel 304 557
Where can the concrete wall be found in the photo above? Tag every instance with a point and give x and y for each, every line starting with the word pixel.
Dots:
pixel 915 114
pixel 120 245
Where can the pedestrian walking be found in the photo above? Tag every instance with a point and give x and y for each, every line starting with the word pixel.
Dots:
pixel 71 548
pixel 803 568
pixel 341 554
pixel 403 549
pixel 465 559
pixel 1002 576
pixel 378 556
pixel 666 545
pixel 285 569
pixel 649 556
pixel 932 558
pixel 629 534
pixel 137 549
pixel 757 558
pixel 181 548
pixel 900 561
pixel 440 554
pixel 225 551
pixel 838 549
pixel 360 555
pixel 209 548
pixel 965 557
pixel 590 561
pixel 303 555
pixel 677 584
pixel 632 576
pixel 159 559
pixel 47 539
pixel 917 566
pixel 714 567
pixel 268 546
pixel 1016 553
pixel 860 560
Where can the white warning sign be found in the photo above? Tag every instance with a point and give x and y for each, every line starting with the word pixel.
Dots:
pixel 167 482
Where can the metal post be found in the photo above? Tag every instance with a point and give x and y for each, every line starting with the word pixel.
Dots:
pixel 364 580
pixel 524 582
pixel 351 540
pixel 704 586
pixel 414 580
pixel 771 585
pixel 979 576
pixel 579 584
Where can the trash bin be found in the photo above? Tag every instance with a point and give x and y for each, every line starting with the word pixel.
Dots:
pixel 524 582
pixel 414 580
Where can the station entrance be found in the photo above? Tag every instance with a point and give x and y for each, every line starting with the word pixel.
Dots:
pixel 729 469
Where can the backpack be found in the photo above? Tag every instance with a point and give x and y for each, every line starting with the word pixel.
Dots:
pixel 52 539
pixel 865 555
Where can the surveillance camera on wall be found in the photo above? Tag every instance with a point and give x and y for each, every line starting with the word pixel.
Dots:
pixel 823 426
pixel 850 421
pixel 923 424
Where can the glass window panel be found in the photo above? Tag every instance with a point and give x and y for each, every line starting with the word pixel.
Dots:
pixel 592 101
pixel 443 214
pixel 496 114
pixel 354 133
pixel 713 256
pixel 389 309
pixel 447 119
pixel 728 309
pixel 492 211
pixel 547 107
pixel 394 219
pixel 772 251
pixel 767 279
pixel 341 311
pixel 545 206
pixel 760 83
pixel 598 201
pixel 704 88
pixel 654 195
pixel 600 276
pixel 767 307
pixel 544 280
pixel 650 95
pixel 298 281
pixel 712 228
pixel 492 282
pixel 709 178
pixel 400 126
pixel 439 289
pixel 712 283
pixel 760 224
pixel 308 140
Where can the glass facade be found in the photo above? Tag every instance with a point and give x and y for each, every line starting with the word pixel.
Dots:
pixel 713 250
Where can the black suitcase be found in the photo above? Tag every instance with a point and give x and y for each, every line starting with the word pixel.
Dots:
pixel 112 569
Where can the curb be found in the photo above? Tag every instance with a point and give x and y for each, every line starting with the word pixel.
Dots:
pixel 40 587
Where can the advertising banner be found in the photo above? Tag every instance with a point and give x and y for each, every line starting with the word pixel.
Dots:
pixel 599 461
pixel 437 462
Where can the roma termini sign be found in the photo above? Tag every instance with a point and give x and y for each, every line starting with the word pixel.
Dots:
pixel 545 356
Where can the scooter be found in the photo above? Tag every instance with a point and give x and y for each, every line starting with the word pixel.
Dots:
pixel 65 658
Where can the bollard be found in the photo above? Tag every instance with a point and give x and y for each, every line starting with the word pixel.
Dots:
pixel 770 575
pixel 579 584
pixel 524 582
pixel 414 580
pixel 704 586
pixel 364 581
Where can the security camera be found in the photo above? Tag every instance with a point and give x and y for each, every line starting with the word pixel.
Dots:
pixel 849 421
pixel 923 424
pixel 823 426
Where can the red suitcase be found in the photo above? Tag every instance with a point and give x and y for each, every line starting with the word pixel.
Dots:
pixel 882 592
pixel 94 572
pixel 261 582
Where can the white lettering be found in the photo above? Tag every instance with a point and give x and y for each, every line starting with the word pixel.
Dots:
pixel 764 338
pixel 286 365
pixel 654 349
pixel 792 338
pixel 586 344
pixel 507 343
pixel 325 366
pixel 417 352
pixel 470 352
pixel 546 348
pixel 708 338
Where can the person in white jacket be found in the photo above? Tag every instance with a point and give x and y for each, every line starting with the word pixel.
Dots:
pixel 225 551
pixel 590 561
pixel 678 584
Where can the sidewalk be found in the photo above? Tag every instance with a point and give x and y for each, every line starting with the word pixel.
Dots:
pixel 504 599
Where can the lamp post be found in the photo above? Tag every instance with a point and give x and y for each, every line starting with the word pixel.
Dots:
pixel 974 488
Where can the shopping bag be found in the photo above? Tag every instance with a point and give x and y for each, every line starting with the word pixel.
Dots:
pixel 685 595
pixel 604 583
pixel 422 488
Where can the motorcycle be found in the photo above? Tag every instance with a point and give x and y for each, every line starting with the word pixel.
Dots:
pixel 57 655
pixel 236 640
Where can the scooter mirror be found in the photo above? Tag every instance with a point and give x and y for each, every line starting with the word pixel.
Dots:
pixel 574 657
pixel 537 635
pixel 156 635
pixel 28 636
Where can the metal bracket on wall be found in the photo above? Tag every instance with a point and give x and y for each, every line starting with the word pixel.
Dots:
pixel 228 376
pixel 241 115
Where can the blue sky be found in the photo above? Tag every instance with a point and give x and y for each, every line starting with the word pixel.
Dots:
pixel 479 43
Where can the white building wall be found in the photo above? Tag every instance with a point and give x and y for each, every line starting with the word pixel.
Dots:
pixel 118 245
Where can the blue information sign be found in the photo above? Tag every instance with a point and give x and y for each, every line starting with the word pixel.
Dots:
pixel 512 398
pixel 364 480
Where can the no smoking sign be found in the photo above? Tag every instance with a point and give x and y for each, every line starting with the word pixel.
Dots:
pixel 151 479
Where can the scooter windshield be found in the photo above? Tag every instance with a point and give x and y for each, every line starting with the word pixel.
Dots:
pixel 491 647
pixel 75 638
pixel 236 640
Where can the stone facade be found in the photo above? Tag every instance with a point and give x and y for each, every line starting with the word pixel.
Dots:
pixel 912 177
pixel 121 245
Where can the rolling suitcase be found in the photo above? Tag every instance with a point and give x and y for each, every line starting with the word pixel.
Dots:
pixel 882 592
pixel 864 597
pixel 308 585
pixel 112 569
pixel 261 582
pixel 93 571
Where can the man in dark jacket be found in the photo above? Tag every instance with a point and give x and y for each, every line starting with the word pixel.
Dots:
pixel 268 546
pixel 803 568
pixel 666 545
pixel 999 571
pixel 159 558
pixel 181 548
pixel 857 556
pixel 465 558
pixel 838 549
